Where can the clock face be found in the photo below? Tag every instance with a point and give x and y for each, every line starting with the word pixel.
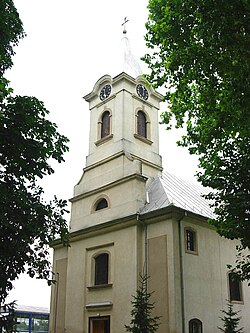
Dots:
pixel 105 92
pixel 142 91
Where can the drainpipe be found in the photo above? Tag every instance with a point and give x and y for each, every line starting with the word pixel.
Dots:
pixel 181 272
pixel 145 227
pixel 56 303
pixel 146 247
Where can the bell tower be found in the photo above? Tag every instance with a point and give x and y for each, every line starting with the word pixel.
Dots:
pixel 124 119
pixel 123 150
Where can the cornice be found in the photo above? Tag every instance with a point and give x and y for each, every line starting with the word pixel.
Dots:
pixel 122 76
pixel 121 153
pixel 109 185
pixel 173 212
pixel 98 229
pixel 169 212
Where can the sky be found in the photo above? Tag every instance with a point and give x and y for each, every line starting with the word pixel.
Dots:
pixel 68 47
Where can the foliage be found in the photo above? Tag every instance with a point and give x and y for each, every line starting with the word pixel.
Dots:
pixel 29 141
pixel 11 30
pixel 230 320
pixel 7 316
pixel 242 264
pixel 200 55
pixel 141 321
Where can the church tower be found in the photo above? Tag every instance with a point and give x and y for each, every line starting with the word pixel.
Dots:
pixel 123 149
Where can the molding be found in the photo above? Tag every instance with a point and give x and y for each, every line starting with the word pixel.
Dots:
pixel 107 186
pixel 99 246
pixel 99 305
pixel 175 213
pixel 141 138
pixel 123 75
pixel 143 101
pixel 127 221
pixel 133 95
pixel 113 81
pixel 104 161
pixel 112 225
pixel 104 79
pixel 97 105
pixel 122 153
pixel 104 139
pixel 100 286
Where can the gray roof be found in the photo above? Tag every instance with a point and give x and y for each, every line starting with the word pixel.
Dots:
pixel 32 309
pixel 168 190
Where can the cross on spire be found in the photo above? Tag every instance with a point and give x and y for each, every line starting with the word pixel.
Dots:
pixel 124 24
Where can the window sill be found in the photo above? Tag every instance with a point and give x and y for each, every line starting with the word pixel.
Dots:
pixel 192 252
pixel 237 302
pixel 107 304
pixel 103 140
pixel 100 286
pixel 145 140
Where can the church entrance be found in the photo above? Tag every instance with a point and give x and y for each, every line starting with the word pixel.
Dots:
pixel 99 324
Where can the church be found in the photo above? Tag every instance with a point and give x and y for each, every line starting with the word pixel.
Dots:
pixel 131 217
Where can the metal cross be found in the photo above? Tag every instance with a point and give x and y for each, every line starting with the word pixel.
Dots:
pixel 124 24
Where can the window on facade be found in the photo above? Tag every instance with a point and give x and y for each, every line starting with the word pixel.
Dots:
pixel 195 326
pixel 141 124
pixel 99 325
pixel 101 204
pixel 235 293
pixel 101 269
pixel 191 241
pixel 105 125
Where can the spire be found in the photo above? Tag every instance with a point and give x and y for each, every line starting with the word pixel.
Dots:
pixel 130 65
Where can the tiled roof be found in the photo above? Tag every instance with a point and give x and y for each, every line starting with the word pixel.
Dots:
pixel 168 190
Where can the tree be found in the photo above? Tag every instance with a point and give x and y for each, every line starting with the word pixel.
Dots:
pixel 230 320
pixel 11 31
pixel 200 55
pixel 29 142
pixel 141 321
pixel 7 318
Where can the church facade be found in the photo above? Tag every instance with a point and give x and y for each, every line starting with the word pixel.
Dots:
pixel 129 217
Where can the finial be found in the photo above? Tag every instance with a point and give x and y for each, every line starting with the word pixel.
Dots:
pixel 124 24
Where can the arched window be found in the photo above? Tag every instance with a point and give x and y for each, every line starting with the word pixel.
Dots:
pixel 195 326
pixel 190 240
pixel 141 124
pixel 101 204
pixel 101 269
pixel 105 125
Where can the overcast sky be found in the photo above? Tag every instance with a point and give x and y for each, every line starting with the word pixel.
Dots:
pixel 69 46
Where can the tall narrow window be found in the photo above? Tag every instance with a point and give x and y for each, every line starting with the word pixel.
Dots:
pixel 235 292
pixel 195 326
pixel 141 124
pixel 191 242
pixel 105 126
pixel 101 269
